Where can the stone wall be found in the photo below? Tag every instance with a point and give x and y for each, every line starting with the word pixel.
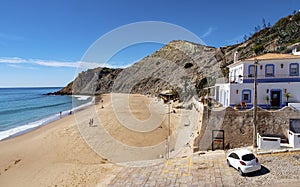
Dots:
pixel 238 125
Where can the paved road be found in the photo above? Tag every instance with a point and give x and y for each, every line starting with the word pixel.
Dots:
pixel 203 170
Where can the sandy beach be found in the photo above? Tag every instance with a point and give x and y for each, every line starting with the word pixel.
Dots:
pixel 51 155
pixel 57 154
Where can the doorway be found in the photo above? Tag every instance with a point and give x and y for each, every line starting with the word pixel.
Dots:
pixel 295 125
pixel 276 98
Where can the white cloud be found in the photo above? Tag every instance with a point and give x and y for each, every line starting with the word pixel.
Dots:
pixel 12 60
pixel 208 32
pixel 52 63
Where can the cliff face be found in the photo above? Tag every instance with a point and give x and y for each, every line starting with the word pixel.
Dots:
pixel 92 81
pixel 185 66
pixel 178 65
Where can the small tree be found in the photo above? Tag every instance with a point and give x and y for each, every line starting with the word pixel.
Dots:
pixel 264 23
pixel 287 95
pixel 267 98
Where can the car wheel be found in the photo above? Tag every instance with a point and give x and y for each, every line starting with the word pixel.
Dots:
pixel 228 163
pixel 240 172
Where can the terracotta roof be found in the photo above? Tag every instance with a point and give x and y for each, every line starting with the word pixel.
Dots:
pixel 272 56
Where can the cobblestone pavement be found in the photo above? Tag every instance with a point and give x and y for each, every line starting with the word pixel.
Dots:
pixel 197 170
pixel 211 170
pixel 281 169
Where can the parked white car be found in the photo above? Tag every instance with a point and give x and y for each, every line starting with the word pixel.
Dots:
pixel 244 161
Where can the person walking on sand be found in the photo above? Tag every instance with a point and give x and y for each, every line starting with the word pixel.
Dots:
pixel 91 122
pixel 60 114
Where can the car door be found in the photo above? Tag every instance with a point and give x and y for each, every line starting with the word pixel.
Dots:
pixel 234 160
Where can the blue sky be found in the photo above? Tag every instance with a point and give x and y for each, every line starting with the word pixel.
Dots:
pixel 42 41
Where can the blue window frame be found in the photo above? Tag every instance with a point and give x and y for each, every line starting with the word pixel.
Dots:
pixel 269 70
pixel 246 96
pixel 251 71
pixel 294 69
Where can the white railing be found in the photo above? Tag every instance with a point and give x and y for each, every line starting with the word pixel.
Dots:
pixel 276 76
pixel 295 106
pixel 267 143
pixel 294 139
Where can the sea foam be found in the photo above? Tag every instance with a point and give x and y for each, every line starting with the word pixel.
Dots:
pixel 30 126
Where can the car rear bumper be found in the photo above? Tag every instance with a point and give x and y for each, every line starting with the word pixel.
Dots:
pixel 249 169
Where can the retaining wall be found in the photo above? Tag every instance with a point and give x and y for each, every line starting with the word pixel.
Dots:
pixel 238 125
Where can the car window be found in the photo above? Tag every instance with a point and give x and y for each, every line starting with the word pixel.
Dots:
pixel 248 157
pixel 236 156
pixel 233 155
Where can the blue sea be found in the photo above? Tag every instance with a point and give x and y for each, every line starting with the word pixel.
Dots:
pixel 23 109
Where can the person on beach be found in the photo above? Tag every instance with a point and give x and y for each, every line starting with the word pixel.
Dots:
pixel 60 114
pixel 91 122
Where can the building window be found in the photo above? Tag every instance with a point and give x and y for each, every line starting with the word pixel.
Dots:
pixel 270 70
pixel 294 69
pixel 281 65
pixel 246 96
pixel 251 71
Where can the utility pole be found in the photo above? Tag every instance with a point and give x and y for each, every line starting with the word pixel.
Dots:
pixel 255 105
pixel 169 126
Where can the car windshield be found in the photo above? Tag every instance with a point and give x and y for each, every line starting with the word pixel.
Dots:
pixel 248 157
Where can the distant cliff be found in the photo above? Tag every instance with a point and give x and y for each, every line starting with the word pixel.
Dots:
pixel 184 66
pixel 92 81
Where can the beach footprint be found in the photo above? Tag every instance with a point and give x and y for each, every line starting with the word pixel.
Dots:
pixel 15 162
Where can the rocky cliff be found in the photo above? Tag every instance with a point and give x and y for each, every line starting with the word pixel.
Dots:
pixel 185 66
pixel 91 82
pixel 178 65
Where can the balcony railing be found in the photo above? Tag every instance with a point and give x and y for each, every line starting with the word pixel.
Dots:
pixel 265 78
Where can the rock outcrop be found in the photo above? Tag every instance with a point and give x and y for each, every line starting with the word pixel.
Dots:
pixel 91 82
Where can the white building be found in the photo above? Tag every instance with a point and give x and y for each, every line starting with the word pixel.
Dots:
pixel 277 75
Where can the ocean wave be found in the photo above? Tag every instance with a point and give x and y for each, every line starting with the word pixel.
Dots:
pixel 25 128
pixel 30 126
pixel 81 97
